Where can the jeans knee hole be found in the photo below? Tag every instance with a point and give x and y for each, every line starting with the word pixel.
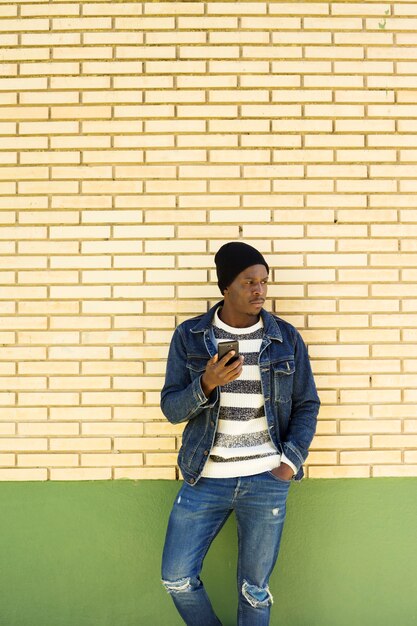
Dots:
pixel 181 585
pixel 257 596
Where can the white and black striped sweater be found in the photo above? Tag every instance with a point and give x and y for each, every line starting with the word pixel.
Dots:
pixel 242 444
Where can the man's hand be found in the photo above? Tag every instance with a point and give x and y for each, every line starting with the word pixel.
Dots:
pixel 218 373
pixel 283 471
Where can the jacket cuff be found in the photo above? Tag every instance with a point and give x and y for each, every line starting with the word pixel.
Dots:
pixel 292 454
pixel 201 396
pixel 286 460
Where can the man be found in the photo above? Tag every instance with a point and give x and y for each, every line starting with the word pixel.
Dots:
pixel 249 424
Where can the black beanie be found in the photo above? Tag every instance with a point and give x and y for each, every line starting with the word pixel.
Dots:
pixel 233 258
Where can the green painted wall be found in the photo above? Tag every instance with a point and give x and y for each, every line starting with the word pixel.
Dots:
pixel 88 554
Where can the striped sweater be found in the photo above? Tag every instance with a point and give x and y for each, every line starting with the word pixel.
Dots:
pixel 242 445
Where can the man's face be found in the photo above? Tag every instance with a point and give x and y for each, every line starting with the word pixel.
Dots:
pixel 247 293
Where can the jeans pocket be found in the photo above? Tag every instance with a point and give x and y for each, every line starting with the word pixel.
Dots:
pixel 278 479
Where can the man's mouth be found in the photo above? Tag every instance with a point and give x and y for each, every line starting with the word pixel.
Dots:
pixel 257 301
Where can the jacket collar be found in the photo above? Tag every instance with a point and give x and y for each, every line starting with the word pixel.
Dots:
pixel 271 326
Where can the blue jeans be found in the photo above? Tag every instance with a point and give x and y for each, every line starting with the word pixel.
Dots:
pixel 198 513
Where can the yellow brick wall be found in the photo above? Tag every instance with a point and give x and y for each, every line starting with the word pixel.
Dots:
pixel 136 138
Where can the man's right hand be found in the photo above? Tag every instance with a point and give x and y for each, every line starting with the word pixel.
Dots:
pixel 219 373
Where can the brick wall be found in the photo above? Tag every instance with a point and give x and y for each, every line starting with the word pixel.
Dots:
pixel 136 138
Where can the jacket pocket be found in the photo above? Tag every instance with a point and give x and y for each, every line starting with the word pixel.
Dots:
pixel 283 379
pixel 196 366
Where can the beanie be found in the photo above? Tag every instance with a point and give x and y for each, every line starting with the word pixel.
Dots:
pixel 234 257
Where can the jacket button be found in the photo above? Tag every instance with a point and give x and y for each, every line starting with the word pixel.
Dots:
pixel 192 481
pixel 205 452
pixel 211 423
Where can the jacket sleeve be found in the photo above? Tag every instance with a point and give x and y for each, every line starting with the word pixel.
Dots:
pixel 182 398
pixel 305 408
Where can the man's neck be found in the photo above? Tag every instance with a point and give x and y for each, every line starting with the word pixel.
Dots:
pixel 236 320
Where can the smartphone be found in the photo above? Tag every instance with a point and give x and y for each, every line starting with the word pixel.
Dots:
pixel 224 347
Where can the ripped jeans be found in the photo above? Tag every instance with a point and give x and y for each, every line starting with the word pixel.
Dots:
pixel 198 513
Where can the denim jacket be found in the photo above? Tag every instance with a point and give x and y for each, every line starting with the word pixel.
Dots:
pixel 290 395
